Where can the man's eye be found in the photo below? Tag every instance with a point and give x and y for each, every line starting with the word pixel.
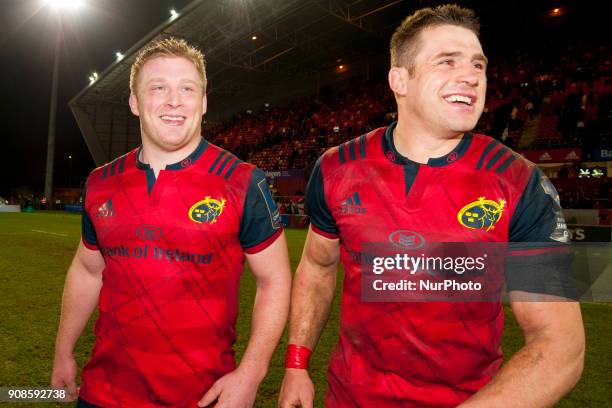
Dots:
pixel 188 89
pixel 446 62
pixel 479 65
pixel 158 88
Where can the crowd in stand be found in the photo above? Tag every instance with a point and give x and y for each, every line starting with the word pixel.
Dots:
pixel 584 188
pixel 533 101
pixel 545 100
pixel 585 199
pixel 562 97
pixel 293 136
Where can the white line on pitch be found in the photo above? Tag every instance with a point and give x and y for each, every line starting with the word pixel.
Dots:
pixel 51 233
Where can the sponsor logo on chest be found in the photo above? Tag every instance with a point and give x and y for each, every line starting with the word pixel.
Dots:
pixel 149 232
pixel 405 239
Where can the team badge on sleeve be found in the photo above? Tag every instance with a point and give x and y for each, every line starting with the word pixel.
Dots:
pixel 560 233
pixel 481 214
pixel 270 204
pixel 208 210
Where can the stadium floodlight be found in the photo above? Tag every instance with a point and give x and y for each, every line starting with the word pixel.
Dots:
pixel 254 37
pixel 65 4
pixel 173 14
pixel 57 5
pixel 93 78
pixel 119 56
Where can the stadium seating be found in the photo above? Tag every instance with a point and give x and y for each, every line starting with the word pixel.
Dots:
pixel 562 98
pixel 532 101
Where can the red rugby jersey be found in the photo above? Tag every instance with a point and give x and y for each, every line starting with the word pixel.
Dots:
pixel 174 252
pixel 422 354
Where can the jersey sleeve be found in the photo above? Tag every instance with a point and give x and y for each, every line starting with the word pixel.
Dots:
pixel 539 260
pixel 260 224
pixel 321 218
pixel 538 217
pixel 88 232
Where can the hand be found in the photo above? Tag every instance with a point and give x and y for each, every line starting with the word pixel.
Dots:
pixel 64 376
pixel 297 389
pixel 234 390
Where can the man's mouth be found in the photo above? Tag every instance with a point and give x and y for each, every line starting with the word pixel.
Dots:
pixel 468 100
pixel 173 120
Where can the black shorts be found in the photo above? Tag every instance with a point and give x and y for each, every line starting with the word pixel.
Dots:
pixel 81 403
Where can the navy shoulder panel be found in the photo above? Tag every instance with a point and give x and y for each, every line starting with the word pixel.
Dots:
pixel 88 230
pixel 538 216
pixel 316 204
pixel 260 217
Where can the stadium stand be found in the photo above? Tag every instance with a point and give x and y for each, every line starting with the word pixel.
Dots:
pixel 533 102
pixel 281 100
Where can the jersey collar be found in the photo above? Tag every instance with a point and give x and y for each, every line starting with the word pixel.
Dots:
pixel 393 155
pixel 186 162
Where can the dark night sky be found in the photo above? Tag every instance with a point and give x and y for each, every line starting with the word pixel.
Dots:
pixel 103 27
pixel 27 39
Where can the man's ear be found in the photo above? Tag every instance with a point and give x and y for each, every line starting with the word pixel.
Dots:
pixel 134 104
pixel 398 80
pixel 204 104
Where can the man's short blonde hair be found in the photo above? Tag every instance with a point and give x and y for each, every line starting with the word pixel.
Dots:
pixel 168 47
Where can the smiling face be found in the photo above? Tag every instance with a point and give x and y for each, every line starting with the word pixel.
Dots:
pixel 170 101
pixel 445 95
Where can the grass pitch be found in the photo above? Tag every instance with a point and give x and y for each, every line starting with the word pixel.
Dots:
pixel 37 249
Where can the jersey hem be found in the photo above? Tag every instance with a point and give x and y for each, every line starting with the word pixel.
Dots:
pixel 93 247
pixel 263 244
pixel 554 247
pixel 323 233
pixel 87 399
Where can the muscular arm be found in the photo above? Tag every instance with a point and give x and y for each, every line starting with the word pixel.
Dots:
pixel 551 361
pixel 81 292
pixel 547 366
pixel 311 298
pixel 313 289
pixel 273 278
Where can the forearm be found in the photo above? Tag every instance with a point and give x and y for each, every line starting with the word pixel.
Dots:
pixel 81 292
pixel 311 298
pixel 270 312
pixel 538 375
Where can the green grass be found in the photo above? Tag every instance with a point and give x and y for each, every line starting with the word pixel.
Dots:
pixel 32 269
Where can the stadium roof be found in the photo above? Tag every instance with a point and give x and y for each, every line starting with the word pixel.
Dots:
pixel 299 46
pixel 296 42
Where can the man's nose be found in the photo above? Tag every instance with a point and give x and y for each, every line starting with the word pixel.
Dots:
pixel 174 98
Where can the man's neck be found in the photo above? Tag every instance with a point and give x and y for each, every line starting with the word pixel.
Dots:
pixel 420 145
pixel 158 158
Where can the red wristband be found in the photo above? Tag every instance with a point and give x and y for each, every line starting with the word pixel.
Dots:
pixel 297 356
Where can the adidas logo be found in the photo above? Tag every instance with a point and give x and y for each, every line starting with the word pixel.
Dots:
pixel 106 209
pixel 572 156
pixel 545 156
pixel 352 205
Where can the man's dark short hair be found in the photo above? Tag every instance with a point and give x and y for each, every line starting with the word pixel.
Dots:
pixel 405 39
